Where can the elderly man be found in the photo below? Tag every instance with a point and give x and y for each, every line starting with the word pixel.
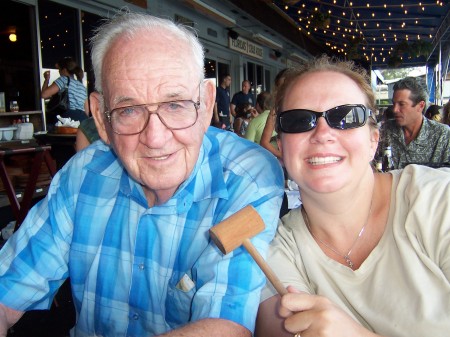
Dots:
pixel 413 138
pixel 127 219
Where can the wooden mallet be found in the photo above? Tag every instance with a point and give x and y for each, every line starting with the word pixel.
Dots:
pixel 237 230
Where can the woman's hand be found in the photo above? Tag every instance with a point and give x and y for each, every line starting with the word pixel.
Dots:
pixel 47 75
pixel 316 316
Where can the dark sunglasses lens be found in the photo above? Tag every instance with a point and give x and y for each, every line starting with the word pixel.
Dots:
pixel 296 121
pixel 346 117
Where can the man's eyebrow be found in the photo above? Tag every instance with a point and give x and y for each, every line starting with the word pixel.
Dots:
pixel 122 99
pixel 176 94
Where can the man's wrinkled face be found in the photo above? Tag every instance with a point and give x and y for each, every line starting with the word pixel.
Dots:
pixel 158 69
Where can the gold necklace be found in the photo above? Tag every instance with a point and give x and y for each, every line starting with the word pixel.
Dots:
pixel 346 257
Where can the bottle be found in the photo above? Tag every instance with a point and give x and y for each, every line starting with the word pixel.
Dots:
pixel 379 166
pixel 388 162
pixel 13 106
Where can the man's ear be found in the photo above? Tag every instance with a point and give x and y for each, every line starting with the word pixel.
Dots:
pixel 422 106
pixel 97 110
pixel 209 98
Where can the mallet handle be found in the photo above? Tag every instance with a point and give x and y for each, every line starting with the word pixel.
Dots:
pixel 264 267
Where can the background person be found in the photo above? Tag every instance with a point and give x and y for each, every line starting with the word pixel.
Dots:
pixel 244 114
pixel 267 140
pixel 256 125
pixel 361 257
pixel 446 113
pixel 242 97
pixel 78 102
pixel 221 113
pixel 434 113
pixel 86 134
pixel 127 219
pixel 413 138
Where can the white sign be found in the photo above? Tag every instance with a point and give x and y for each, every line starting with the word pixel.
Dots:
pixel 246 47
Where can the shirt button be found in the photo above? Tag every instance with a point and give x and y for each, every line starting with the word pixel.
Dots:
pixel 141 266
pixel 135 317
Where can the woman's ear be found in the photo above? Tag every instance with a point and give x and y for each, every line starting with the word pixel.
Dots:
pixel 374 140
pixel 97 110
pixel 279 143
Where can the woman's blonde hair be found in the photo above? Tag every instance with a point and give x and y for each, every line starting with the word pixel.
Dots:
pixel 325 63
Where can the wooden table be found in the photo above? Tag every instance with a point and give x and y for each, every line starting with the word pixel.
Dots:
pixel 63 146
pixel 38 154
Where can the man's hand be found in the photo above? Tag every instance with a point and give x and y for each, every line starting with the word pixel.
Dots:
pixel 8 317
pixel 210 327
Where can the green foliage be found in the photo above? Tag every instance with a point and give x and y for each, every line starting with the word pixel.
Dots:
pixel 392 74
pixel 405 49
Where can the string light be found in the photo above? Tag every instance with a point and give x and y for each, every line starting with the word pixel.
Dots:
pixel 335 23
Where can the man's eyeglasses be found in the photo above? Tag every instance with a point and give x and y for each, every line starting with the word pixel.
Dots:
pixel 133 119
pixel 342 117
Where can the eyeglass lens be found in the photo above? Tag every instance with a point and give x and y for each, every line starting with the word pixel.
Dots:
pixel 341 117
pixel 174 115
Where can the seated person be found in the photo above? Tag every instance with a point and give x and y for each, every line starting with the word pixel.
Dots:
pixel 256 126
pixel 86 134
pixel 434 113
pixel 361 256
pixel 128 219
pixel 244 114
pixel 413 138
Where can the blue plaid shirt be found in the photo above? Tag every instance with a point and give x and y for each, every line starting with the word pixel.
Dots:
pixel 139 271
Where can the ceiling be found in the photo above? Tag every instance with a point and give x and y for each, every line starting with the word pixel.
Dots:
pixel 376 33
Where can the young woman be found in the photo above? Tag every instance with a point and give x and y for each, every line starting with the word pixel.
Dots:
pixel 363 256
pixel 78 102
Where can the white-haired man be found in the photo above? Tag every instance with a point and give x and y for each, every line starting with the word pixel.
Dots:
pixel 127 219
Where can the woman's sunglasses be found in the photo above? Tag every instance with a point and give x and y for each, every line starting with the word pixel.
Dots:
pixel 342 117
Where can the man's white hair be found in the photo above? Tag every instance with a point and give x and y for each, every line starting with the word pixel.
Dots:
pixel 125 23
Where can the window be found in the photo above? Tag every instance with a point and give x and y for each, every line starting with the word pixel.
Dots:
pixel 59 29
pixel 89 22
pixel 18 64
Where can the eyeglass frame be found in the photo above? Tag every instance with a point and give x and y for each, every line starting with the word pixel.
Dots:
pixel 367 114
pixel 155 112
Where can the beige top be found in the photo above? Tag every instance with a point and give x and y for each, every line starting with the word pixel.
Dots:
pixel 403 287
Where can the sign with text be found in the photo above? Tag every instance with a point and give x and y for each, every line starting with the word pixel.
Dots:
pixel 246 47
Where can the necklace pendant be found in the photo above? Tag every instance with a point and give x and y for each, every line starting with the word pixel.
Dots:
pixel 349 262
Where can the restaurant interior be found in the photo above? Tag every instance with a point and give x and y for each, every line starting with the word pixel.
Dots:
pixel 375 34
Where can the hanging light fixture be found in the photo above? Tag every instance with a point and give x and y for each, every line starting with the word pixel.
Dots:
pixel 11 31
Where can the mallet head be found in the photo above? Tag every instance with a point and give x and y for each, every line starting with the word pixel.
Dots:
pixel 231 232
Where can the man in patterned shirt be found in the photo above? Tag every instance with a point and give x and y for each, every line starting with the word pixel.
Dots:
pixel 413 138
pixel 128 219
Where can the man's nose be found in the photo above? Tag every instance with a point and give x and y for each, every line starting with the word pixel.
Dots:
pixel 155 133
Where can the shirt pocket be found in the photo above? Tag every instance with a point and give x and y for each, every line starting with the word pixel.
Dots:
pixel 180 293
